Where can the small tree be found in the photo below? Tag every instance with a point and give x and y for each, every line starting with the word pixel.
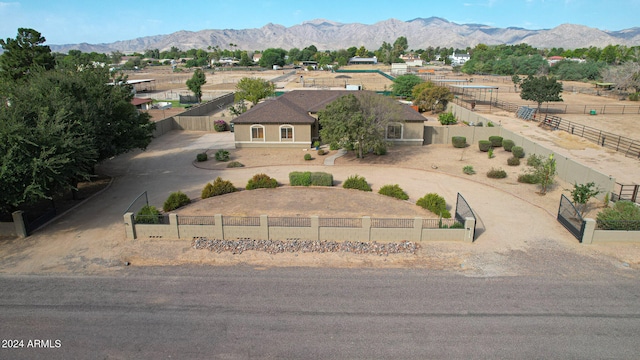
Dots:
pixel 430 97
pixel 581 194
pixel 195 83
pixel 254 90
pixel 403 85
pixel 545 174
pixel 516 81
pixel 541 89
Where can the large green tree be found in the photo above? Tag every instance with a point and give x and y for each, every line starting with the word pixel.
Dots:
pixel 253 90
pixel 428 96
pixel 24 54
pixel 360 120
pixel 403 85
pixel 541 89
pixel 272 57
pixel 194 84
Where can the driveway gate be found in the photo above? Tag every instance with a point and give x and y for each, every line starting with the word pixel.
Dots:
pixel 570 218
pixel 463 211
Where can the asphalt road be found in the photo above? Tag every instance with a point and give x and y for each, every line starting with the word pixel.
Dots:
pixel 295 313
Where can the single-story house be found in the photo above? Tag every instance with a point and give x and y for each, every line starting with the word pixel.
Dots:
pixel 363 60
pixel 142 104
pixel 291 120
pixel 459 59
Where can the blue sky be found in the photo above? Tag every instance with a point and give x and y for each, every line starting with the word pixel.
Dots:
pixel 90 21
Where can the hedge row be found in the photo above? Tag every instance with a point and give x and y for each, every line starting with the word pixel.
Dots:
pixel 307 178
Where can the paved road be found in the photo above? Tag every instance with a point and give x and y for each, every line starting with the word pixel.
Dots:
pixel 289 313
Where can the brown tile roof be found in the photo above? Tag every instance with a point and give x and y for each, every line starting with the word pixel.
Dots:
pixel 295 106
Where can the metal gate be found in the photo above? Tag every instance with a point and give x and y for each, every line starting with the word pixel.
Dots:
pixel 463 211
pixel 570 218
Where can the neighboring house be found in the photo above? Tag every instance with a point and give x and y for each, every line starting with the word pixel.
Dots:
pixel 554 59
pixel 257 57
pixel 291 120
pixel 357 60
pixel 459 59
pixel 399 69
pixel 142 104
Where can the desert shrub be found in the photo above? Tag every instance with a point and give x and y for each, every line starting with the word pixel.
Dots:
pixel 447 118
pixel 380 150
pixel 300 178
pixel 480 124
pixel 316 144
pixel 624 215
pixel 148 215
pixel 356 182
pixel 507 144
pixel 394 191
pixel 634 96
pixel 490 124
pixel 517 151
pixel 527 178
pixel 459 141
pixel 496 173
pixel 219 187
pixel 513 161
pixel 457 225
pixel 434 203
pixel 496 141
pixel 484 145
pixel 319 178
pixel 334 146
pixel 490 153
pixel 234 164
pixel 222 155
pixel 322 152
pixel 534 160
pixel 201 157
pixel 468 170
pixel 261 181
pixel 219 125
pixel 307 157
pixel 175 200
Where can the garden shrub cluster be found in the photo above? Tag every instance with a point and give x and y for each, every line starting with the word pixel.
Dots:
pixel 534 160
pixel 496 173
pixel 175 200
pixel 322 152
pixel 219 187
pixel 507 144
pixel 148 215
pixel 434 203
pixel 261 181
pixel 234 164
pixel 447 118
pixel 513 161
pixel 517 151
pixel 484 145
pixel 624 215
pixel 528 178
pixel 394 191
pixel 356 182
pixel 219 125
pixel 380 150
pixel 201 157
pixel 308 156
pixel 459 142
pixel 468 169
pixel 496 141
pixel 222 155
pixel 307 178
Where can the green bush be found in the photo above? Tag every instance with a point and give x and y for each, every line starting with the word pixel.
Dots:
pixel 513 161
pixel 434 203
pixel 490 124
pixel 219 187
pixel 496 173
pixel 322 152
pixel 234 164
pixel 380 150
pixel 222 155
pixel 517 151
pixel 496 141
pixel 300 178
pixel 261 181
pixel 334 146
pixel 175 200
pixel 468 170
pixel 319 178
pixel 447 118
pixel 490 153
pixel 394 191
pixel 307 157
pixel 534 160
pixel 201 157
pixel 356 182
pixel 148 215
pixel 484 145
pixel 459 142
pixel 528 178
pixel 634 96
pixel 507 144
pixel 624 215
pixel 457 225
pixel 219 125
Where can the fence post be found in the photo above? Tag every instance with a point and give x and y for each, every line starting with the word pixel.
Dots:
pixel 315 226
pixel 173 223
pixel 469 229
pixel 264 227
pixel 417 229
pixel 589 229
pixel 129 226
pixel 18 223
pixel 366 225
pixel 218 225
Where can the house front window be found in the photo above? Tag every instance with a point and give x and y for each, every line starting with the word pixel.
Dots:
pixel 394 131
pixel 257 132
pixel 286 133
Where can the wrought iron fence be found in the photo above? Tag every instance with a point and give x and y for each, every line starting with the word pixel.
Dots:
pixel 289 221
pixel 340 222
pixel 162 219
pixel 438 223
pixel 392 223
pixel 196 220
pixel 241 221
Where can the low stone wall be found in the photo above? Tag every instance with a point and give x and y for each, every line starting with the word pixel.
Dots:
pixel 315 231
pixel 592 235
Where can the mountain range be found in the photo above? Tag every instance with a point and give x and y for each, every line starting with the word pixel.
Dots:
pixel 329 35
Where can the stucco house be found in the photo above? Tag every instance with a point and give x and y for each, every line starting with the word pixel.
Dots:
pixel 291 120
